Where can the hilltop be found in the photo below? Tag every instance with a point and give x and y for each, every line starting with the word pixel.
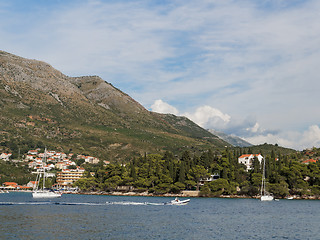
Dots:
pixel 233 140
pixel 40 106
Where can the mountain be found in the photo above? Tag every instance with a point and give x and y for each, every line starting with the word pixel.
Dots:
pixel 232 139
pixel 40 106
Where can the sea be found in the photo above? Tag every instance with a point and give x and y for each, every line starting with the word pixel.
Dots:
pixel 76 216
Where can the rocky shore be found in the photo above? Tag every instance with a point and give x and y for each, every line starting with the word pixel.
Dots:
pixel 190 194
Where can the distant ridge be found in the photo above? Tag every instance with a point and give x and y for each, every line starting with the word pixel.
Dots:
pixel 40 106
pixel 233 140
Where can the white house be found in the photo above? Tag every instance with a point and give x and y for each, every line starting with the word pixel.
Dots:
pixel 92 160
pixel 247 159
pixel 5 156
pixel 32 184
pixel 33 152
pixel 29 157
pixel 212 177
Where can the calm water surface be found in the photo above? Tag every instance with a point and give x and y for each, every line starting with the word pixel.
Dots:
pixel 90 217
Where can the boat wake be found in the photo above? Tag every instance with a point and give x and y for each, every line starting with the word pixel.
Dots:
pixel 135 203
pixel 51 203
pixel 124 203
pixel 25 203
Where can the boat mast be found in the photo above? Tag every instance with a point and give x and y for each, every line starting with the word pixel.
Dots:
pixel 36 186
pixel 263 184
pixel 43 167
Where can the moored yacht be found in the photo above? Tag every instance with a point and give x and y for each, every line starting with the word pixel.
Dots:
pixel 41 191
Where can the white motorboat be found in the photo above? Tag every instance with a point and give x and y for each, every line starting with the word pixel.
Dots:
pixel 176 201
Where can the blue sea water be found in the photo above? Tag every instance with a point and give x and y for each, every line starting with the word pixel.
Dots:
pixel 121 217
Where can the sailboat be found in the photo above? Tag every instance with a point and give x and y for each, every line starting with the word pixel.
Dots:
pixel 41 191
pixel 265 196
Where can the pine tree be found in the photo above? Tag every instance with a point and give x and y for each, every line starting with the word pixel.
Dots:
pixel 182 173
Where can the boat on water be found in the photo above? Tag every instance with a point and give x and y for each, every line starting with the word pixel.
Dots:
pixel 45 193
pixel 177 201
pixel 41 191
pixel 265 196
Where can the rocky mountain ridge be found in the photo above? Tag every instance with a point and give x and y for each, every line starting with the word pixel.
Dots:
pixel 40 105
pixel 232 139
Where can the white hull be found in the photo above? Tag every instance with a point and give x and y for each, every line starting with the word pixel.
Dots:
pixel 183 202
pixel 45 194
pixel 266 198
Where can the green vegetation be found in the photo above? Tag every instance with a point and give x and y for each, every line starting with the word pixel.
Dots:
pixel 159 174
pixel 11 172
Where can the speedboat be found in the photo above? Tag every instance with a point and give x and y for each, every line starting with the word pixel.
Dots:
pixel 176 201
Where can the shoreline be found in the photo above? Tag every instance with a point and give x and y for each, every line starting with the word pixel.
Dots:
pixel 184 194
pixel 189 194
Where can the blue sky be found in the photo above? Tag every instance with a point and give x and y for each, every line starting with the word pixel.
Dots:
pixel 248 68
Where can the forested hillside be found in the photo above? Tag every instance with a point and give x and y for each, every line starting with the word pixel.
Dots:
pixel 159 174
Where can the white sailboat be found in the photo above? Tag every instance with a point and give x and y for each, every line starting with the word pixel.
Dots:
pixel 41 191
pixel 265 196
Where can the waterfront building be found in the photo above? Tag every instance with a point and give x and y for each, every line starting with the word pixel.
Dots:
pixel 67 177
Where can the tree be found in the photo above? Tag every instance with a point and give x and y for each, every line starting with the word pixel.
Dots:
pixel 218 186
pixel 182 173
pixel 256 165
pixel 133 173
pixel 279 189
pixel 177 187
pixel 79 162
pixel 198 172
pixel 186 159
pixel 112 182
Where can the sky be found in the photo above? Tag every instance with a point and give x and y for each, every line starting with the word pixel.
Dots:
pixel 244 67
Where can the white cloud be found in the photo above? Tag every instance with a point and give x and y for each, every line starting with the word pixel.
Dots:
pixel 311 137
pixel 296 140
pixel 249 58
pixel 254 129
pixel 209 117
pixel 160 106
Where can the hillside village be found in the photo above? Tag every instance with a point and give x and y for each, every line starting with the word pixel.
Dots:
pixel 66 165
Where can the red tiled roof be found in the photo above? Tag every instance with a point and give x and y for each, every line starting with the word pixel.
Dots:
pixel 310 161
pixel 10 184
pixel 248 155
